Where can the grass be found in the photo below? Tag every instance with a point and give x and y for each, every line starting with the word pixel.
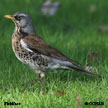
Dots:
pixel 73 30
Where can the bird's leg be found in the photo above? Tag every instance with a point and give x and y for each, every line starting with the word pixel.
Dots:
pixel 41 76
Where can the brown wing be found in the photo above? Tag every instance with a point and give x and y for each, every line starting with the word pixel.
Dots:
pixel 36 44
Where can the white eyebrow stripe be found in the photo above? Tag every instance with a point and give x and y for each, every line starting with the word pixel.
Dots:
pixel 24 45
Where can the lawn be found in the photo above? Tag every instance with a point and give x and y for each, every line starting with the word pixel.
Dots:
pixel 74 31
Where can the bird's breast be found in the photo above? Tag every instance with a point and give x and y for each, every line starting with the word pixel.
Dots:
pixel 17 48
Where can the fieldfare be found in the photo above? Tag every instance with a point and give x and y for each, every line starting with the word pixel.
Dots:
pixel 30 49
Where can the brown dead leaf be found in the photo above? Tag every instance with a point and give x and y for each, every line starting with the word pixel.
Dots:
pixel 61 92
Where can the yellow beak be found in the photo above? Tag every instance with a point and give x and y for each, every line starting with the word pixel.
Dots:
pixel 9 17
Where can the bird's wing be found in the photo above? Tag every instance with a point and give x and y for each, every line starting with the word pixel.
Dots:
pixel 36 44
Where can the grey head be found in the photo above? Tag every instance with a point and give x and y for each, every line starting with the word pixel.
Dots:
pixel 23 22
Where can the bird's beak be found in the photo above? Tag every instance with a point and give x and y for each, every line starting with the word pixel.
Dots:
pixel 9 17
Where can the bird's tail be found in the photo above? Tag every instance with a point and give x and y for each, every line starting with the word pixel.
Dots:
pixel 76 67
pixel 71 65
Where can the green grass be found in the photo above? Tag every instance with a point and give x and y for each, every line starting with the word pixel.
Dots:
pixel 73 31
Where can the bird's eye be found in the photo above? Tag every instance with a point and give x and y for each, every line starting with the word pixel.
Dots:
pixel 18 18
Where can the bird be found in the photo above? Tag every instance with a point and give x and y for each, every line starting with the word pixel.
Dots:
pixel 32 50
pixel 48 8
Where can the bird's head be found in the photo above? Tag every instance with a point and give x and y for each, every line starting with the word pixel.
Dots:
pixel 22 21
